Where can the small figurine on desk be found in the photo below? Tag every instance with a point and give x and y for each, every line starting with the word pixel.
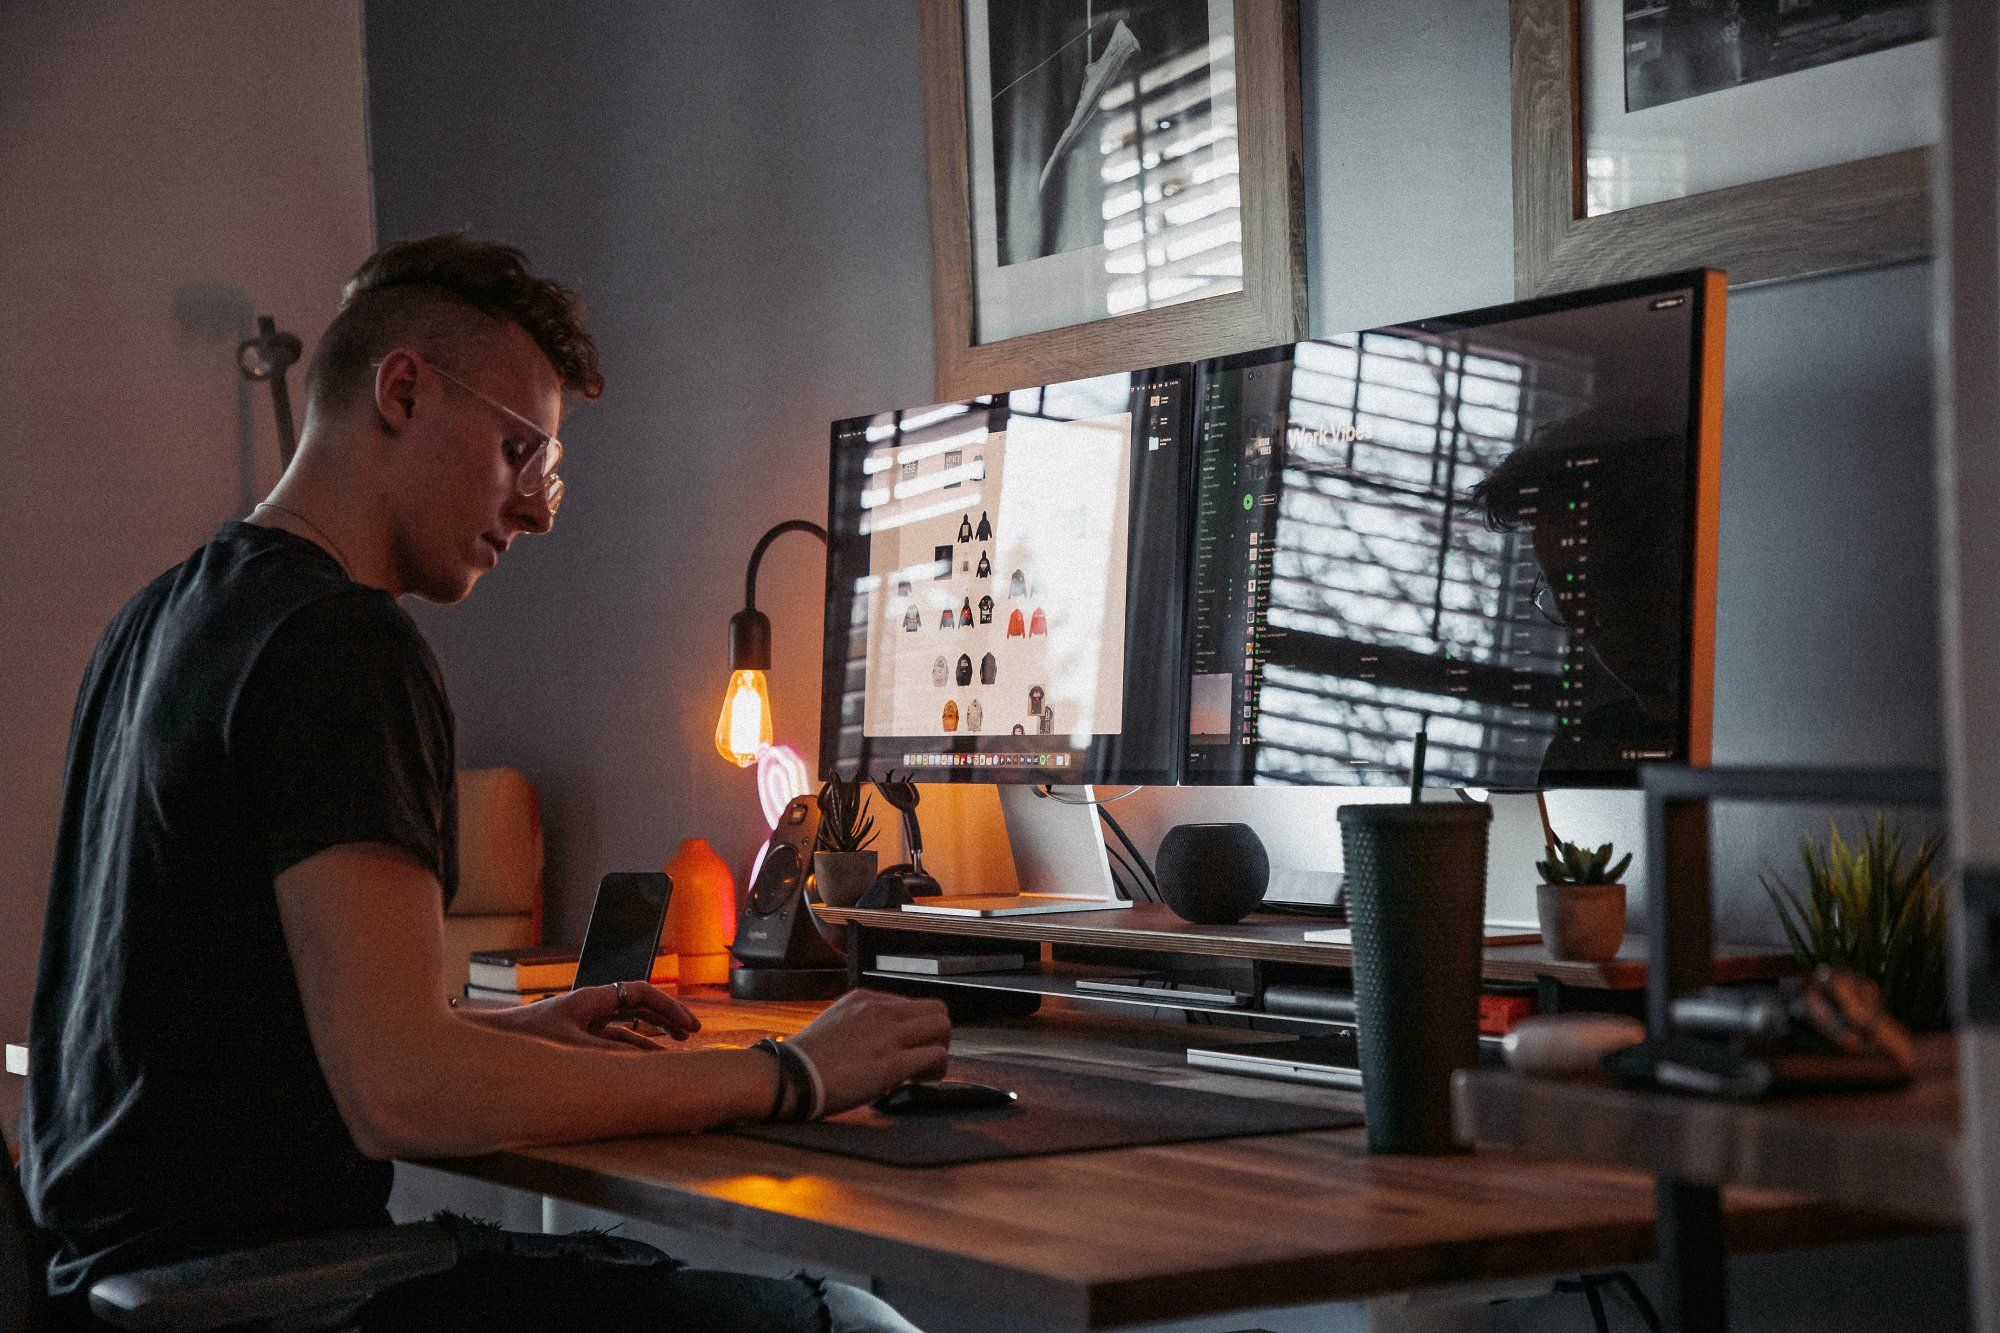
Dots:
pixel 1825 1032
pixel 1822 1033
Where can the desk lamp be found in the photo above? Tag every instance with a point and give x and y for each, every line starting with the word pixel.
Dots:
pixel 745 723
pixel 779 951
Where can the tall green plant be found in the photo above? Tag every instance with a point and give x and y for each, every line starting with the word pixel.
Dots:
pixel 1863 909
pixel 845 824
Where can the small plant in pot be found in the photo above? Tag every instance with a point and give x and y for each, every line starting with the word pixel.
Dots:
pixel 843 865
pixel 1863 909
pixel 1580 902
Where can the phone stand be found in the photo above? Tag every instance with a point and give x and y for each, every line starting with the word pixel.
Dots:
pixel 898 884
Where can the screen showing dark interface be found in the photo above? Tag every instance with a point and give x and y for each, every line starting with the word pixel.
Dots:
pixel 1005 584
pixel 1476 528
pixel 625 925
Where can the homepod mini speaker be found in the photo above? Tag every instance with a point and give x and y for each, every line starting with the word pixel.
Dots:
pixel 1212 874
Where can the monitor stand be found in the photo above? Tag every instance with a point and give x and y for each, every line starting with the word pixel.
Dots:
pixel 1060 862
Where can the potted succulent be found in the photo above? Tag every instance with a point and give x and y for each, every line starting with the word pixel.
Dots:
pixel 1864 910
pixel 843 865
pixel 1580 902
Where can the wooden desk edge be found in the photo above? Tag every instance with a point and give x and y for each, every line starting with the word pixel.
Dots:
pixel 1896 1152
pixel 809 1240
pixel 715 1189
pixel 1754 1221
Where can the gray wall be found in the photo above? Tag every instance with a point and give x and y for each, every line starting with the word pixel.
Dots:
pixel 742 201
pixel 1826 638
pixel 166 171
pixel 740 197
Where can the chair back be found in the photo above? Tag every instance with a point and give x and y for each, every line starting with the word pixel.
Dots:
pixel 24 1260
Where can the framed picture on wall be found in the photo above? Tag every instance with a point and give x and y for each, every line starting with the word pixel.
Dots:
pixel 1111 185
pixel 1768 138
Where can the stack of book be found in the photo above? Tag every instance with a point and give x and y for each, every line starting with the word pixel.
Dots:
pixel 521 976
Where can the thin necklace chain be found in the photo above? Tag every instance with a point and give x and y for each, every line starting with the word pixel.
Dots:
pixel 331 546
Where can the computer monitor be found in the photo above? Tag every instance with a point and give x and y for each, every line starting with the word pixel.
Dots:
pixel 1494 529
pixel 1005 585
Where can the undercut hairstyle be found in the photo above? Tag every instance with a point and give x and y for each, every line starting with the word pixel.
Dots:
pixel 448 297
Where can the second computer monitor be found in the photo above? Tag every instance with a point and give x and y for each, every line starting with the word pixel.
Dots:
pixel 1494 530
pixel 1005 585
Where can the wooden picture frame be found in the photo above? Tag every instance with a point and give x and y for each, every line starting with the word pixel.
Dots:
pixel 1853 215
pixel 1270 308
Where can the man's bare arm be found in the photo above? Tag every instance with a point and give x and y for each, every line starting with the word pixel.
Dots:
pixel 363 925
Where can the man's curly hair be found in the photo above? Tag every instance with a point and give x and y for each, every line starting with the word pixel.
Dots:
pixel 446 296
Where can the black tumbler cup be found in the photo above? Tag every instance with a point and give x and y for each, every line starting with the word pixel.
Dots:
pixel 1416 899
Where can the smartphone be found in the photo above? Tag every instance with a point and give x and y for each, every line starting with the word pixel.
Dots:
pixel 625 925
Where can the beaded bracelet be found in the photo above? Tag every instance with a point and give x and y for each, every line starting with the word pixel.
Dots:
pixel 812 1099
pixel 785 1084
pixel 818 1107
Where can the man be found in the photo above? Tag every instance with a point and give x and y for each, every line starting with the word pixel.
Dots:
pixel 236 1022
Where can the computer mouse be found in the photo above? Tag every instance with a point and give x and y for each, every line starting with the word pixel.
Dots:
pixel 942 1097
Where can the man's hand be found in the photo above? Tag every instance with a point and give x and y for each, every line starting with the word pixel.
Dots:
pixel 590 1017
pixel 414 1078
pixel 869 1042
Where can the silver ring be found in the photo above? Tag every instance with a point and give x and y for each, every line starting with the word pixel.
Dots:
pixel 618 989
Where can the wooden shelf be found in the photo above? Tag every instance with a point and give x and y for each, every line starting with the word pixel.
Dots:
pixel 1277 939
pixel 1896 1150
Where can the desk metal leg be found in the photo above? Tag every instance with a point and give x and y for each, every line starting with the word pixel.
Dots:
pixel 1694 1271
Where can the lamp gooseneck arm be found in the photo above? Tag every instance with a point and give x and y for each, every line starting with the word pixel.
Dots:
pixel 763 543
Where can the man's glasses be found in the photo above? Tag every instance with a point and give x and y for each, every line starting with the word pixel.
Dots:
pixel 537 475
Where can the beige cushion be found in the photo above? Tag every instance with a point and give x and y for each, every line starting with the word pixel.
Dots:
pixel 499 845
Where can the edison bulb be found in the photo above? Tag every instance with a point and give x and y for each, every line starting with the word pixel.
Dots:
pixel 745 723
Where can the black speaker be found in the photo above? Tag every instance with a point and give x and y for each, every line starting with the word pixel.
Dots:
pixel 778 945
pixel 1212 874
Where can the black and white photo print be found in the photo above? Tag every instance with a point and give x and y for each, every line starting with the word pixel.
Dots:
pixel 1063 76
pixel 1676 49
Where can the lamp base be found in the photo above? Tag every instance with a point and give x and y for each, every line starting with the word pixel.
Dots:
pixel 787 983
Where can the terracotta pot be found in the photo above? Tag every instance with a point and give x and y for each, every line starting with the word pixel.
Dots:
pixel 1581 923
pixel 842 877
pixel 701 914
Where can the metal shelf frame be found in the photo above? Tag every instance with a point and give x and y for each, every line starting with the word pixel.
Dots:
pixel 1680 934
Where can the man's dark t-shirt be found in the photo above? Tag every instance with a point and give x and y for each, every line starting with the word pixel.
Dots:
pixel 249 708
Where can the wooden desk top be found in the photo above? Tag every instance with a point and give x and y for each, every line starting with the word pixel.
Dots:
pixel 1273 938
pixel 1896 1150
pixel 1099 1239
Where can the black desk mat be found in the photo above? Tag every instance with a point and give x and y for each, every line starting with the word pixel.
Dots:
pixel 1058 1112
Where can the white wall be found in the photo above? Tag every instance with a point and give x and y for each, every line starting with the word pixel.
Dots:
pixel 166 171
